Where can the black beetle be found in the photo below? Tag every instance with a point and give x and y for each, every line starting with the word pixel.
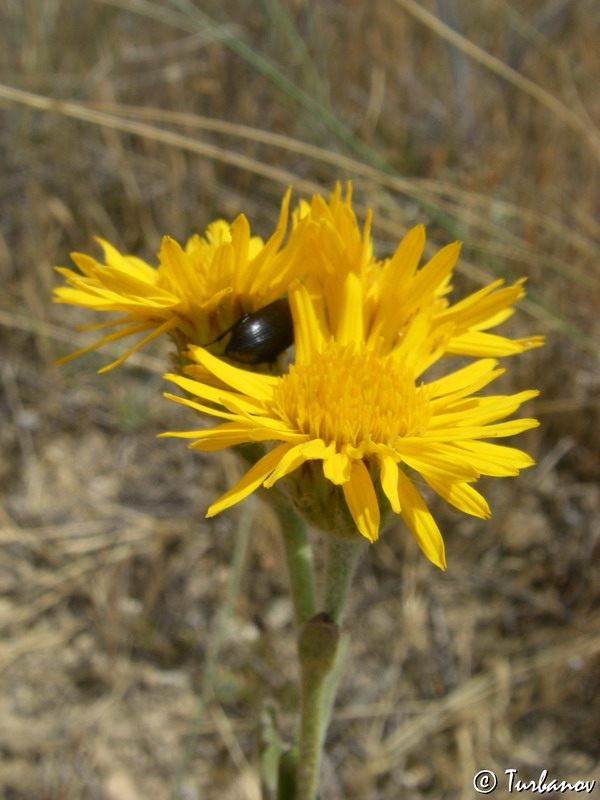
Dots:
pixel 260 337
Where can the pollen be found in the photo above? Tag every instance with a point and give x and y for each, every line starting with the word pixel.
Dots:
pixel 347 395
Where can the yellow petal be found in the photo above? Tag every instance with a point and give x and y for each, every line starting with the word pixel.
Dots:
pixel 251 480
pixel 403 264
pixel 85 263
pixel 290 461
pixel 317 449
pixel 261 267
pixel 463 381
pixel 389 481
pixel 463 497
pixel 434 272
pixel 166 326
pixel 216 394
pixel 203 409
pixel 111 337
pixel 240 242
pixel 337 468
pixel 178 266
pixel 435 464
pixel 419 521
pixel 351 323
pixel 308 335
pixel 228 434
pixel 492 459
pixel 482 306
pixel 481 410
pixel 257 386
pixel 129 264
pixel 495 431
pixel 249 408
pixel 478 343
pixel 362 501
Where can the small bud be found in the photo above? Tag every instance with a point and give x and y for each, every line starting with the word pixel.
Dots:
pixel 317 643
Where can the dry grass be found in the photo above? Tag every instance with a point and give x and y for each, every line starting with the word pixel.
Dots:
pixel 131 119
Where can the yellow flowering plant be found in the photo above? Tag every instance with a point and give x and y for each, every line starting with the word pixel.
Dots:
pixel 369 411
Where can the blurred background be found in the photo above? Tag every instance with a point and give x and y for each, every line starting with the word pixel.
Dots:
pixel 139 640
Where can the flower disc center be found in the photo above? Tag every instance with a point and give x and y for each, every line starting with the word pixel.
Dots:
pixel 348 395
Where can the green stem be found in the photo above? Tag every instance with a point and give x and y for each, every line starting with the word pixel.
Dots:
pixel 321 649
pixel 318 641
pixel 342 559
pixel 332 681
pixel 311 736
pixel 270 750
pixel 298 555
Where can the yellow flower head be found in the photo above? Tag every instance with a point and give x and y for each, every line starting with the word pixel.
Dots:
pixel 395 289
pixel 362 411
pixel 194 294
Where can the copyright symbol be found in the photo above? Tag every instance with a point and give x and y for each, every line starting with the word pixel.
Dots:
pixel 485 781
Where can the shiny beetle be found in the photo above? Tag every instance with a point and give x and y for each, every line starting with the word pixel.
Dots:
pixel 260 337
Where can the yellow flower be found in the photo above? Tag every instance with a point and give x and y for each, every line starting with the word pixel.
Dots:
pixel 395 289
pixel 193 294
pixel 359 408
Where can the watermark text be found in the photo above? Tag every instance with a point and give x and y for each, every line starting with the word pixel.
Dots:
pixel 486 781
